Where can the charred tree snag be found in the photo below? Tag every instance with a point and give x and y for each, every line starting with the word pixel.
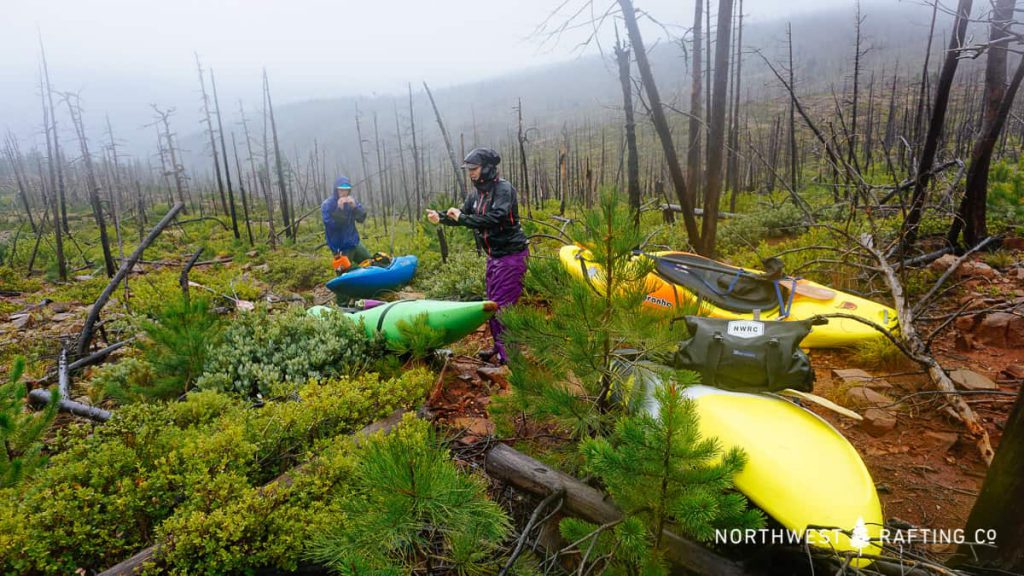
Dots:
pixel 661 126
pixel 716 138
pixel 632 163
pixel 931 144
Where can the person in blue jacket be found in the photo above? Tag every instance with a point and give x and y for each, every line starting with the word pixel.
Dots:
pixel 341 212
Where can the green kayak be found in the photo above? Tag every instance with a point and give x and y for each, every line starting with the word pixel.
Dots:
pixel 456 319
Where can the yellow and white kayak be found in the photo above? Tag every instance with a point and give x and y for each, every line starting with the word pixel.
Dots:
pixel 683 280
pixel 800 470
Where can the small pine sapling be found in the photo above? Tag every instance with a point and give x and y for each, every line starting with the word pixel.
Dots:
pixel 178 342
pixel 21 432
pixel 410 510
pixel 568 373
pixel 664 476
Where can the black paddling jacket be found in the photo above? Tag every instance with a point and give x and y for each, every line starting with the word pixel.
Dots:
pixel 493 214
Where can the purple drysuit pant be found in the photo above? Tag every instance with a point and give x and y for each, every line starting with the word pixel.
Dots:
pixel 504 286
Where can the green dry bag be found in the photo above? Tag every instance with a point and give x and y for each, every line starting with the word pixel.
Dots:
pixel 748 355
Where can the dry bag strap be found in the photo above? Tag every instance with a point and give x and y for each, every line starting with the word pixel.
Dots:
pixel 772 358
pixel 714 357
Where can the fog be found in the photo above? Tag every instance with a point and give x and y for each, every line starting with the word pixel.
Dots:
pixel 124 55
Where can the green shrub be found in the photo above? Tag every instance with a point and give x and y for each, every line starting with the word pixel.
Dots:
pixel 297 271
pixel 462 278
pixel 193 470
pixel 120 381
pixel 259 350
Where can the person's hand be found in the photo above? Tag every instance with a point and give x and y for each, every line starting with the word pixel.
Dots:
pixel 347 200
pixel 454 213
pixel 433 216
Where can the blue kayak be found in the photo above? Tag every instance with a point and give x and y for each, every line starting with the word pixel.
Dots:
pixel 373 280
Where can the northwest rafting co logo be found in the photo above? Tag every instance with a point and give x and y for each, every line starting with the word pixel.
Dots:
pixel 860 538
pixel 745 328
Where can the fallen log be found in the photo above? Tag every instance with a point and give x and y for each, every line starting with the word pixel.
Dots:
pixel 89 360
pixel 506 463
pixel 41 397
pixel 697 211
pixel 149 555
pixel 86 335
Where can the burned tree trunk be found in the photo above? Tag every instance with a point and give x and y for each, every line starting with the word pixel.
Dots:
pixel 632 162
pixel 931 144
pixel 521 139
pixel 695 128
pixel 734 142
pixel 661 123
pixel 447 142
pixel 91 183
pixel 999 98
pixel 417 178
pixel 716 138
pixel 213 142
pixel 282 185
pixel 224 155
pixel 1000 505
pixel 241 190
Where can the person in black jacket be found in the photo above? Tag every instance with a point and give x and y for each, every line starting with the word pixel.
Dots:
pixel 491 210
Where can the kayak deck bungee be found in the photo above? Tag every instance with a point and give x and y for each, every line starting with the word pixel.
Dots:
pixel 455 319
pixel 800 470
pixel 370 281
pixel 684 280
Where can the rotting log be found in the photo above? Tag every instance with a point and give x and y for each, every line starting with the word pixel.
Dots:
pixel 41 397
pixel 86 335
pixel 148 556
pixel 508 464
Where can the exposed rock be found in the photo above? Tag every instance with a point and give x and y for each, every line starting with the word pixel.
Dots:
pixel 20 321
pixel 60 307
pixel 262 268
pixel 63 316
pixel 864 397
pixel 941 442
pixel 82 278
pixel 943 263
pixel 475 426
pixel 495 374
pixel 1015 332
pixel 252 253
pixel 993 328
pixel 976 270
pixel 1014 371
pixel 1014 243
pixel 858 377
pixel 878 422
pixel 970 380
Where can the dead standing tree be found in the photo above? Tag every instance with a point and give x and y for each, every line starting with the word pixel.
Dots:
pixel 213 143
pixel 924 173
pixel 716 137
pixel 75 110
pixel 999 97
pixel 224 155
pixel 282 185
pixel 661 126
pixel 632 161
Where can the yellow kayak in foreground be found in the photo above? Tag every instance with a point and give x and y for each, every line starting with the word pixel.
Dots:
pixel 800 470
pixel 682 279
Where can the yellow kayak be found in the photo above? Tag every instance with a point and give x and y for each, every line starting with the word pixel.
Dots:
pixel 800 470
pixel 681 279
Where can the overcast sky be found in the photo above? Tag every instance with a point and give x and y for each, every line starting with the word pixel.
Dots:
pixel 125 54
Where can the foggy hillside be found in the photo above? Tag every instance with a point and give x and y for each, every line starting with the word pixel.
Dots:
pixel 587 88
